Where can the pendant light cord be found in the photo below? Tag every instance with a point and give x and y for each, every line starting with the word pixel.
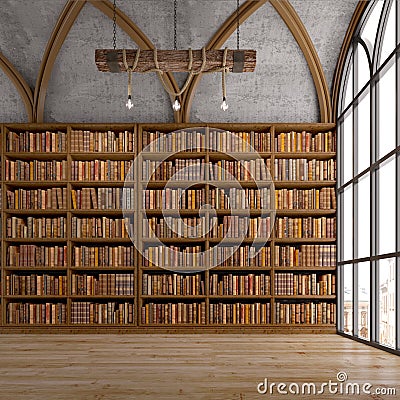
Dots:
pixel 237 25
pixel 114 25
pixel 175 23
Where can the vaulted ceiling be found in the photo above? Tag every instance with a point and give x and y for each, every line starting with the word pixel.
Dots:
pixel 47 69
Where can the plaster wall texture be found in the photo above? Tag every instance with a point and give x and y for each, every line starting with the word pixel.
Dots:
pixel 281 89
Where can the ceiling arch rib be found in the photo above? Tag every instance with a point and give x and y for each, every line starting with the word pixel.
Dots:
pixel 60 32
pixel 63 25
pixel 296 26
pixel 137 35
pixel 20 84
pixel 221 36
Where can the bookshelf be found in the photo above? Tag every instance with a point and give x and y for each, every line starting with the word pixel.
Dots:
pixel 68 261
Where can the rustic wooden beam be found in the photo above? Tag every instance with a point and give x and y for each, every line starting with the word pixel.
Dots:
pixel 108 60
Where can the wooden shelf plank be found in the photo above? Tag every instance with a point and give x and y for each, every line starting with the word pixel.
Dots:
pixel 136 268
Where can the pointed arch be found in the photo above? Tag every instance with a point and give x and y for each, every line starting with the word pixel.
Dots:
pixel 63 26
pixel 296 26
pixel 299 32
pixel 248 8
pixel 341 62
pixel 20 84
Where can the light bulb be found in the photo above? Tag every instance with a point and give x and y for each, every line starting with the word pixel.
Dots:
pixel 176 105
pixel 129 103
pixel 224 104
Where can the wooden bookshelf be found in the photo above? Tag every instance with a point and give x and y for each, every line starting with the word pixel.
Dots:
pixel 106 152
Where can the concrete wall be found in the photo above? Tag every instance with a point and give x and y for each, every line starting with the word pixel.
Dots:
pixel 281 89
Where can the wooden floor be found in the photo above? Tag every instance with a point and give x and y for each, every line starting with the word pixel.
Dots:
pixel 164 367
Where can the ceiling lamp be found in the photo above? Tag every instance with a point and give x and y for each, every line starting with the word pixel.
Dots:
pixel 193 62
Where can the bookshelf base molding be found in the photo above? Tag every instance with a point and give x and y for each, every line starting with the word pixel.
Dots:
pixel 73 197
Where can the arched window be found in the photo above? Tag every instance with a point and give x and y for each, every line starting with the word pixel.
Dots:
pixel 369 179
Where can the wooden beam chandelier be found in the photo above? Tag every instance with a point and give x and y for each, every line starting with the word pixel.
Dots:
pixel 193 62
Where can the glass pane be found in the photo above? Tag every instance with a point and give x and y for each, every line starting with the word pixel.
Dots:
pixel 348 98
pixel 387 206
pixel 389 38
pixel 364 281
pixel 387 112
pixel 364 210
pixel 363 108
pixel 348 299
pixel 348 223
pixel 362 67
pixel 387 301
pixel 369 31
pixel 347 145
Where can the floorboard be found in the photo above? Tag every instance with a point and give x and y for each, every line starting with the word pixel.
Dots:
pixel 166 367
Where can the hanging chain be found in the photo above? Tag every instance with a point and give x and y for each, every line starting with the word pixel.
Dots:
pixel 114 26
pixel 175 21
pixel 237 24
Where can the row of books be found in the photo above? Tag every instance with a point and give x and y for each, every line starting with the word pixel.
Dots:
pixel 310 227
pixel 306 255
pixel 176 170
pixel 241 199
pixel 100 170
pixel 226 141
pixel 301 169
pixel 305 313
pixel 104 256
pixel 35 170
pixel 98 227
pixel 120 256
pixel 97 141
pixel 172 284
pixel 173 313
pixel 29 142
pixel 240 256
pixel 171 227
pixel 37 256
pixel 173 257
pixel 305 199
pixel 243 170
pixel 103 284
pixel 174 199
pixel 114 313
pixel 305 142
pixel 237 142
pixel 233 226
pixel 36 313
pixel 33 284
pixel 102 198
pixel 37 199
pixel 289 284
pixel 31 227
pixel 240 285
pixel 240 313
pixel 186 169
pixel 192 140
